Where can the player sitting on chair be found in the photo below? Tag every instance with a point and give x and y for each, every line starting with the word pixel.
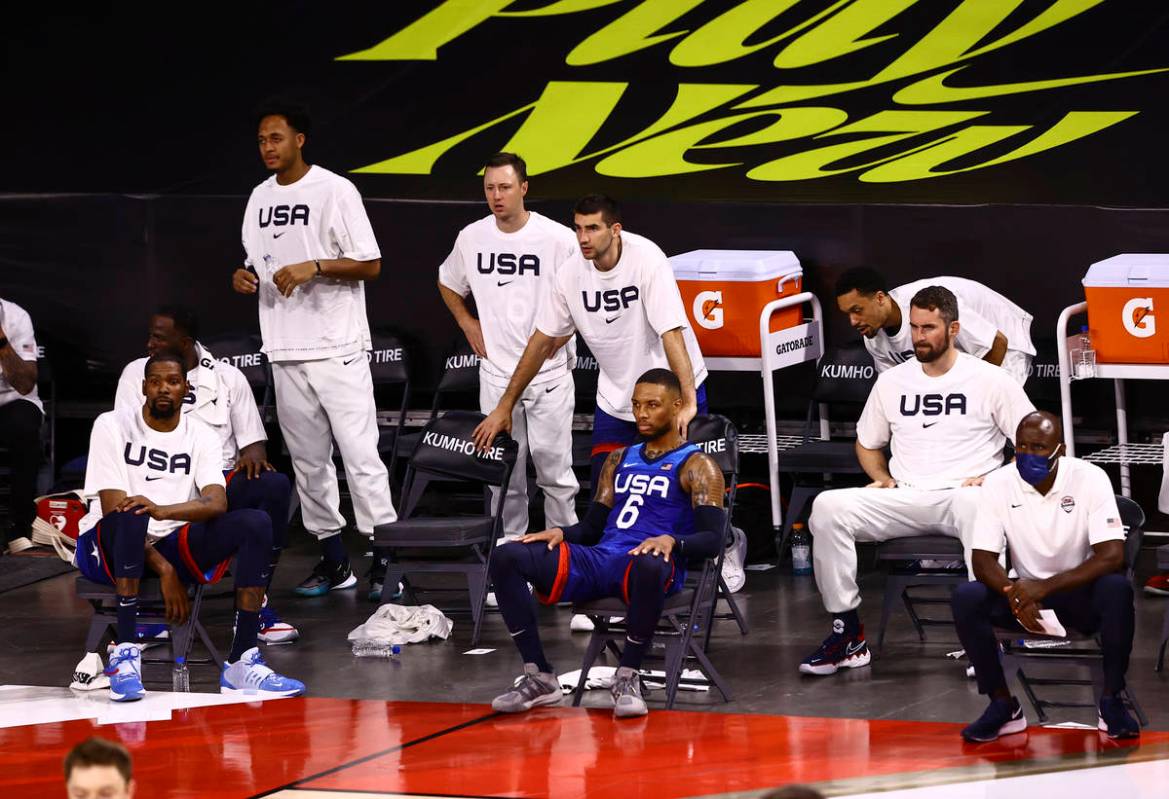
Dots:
pixel 658 504
pixel 946 416
pixel 1058 517
pixel 157 474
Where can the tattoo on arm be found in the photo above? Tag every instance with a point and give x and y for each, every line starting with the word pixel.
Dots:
pixel 704 480
pixel 604 487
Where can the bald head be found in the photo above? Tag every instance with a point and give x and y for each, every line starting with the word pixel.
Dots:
pixel 1039 431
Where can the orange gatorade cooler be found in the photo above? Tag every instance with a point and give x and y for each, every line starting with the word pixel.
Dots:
pixel 1126 294
pixel 724 291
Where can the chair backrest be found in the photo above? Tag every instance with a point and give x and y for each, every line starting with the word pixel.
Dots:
pixel 447 447
pixel 717 437
pixel 845 375
pixel 389 361
pixel 243 352
pixel 585 374
pixel 460 375
pixel 1133 519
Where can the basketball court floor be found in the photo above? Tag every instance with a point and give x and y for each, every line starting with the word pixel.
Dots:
pixel 422 726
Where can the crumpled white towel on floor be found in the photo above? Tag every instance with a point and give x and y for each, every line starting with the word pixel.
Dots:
pixel 401 624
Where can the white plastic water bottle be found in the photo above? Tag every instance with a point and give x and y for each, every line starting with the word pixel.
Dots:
pixel 1084 366
pixel 801 550
pixel 180 676
pixel 369 648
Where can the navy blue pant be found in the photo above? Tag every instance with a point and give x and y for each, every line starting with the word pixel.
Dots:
pixel 1104 606
pixel 271 493
pixel 20 434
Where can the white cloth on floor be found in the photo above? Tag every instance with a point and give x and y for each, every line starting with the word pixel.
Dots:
pixel 401 624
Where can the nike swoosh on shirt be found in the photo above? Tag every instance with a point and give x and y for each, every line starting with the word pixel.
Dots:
pixel 151 479
pixel 925 425
pixel 278 235
pixel 504 282
pixel 614 319
pixel 351 360
pixel 1017 506
pixel 549 390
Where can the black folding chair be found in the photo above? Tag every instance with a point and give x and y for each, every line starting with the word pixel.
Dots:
pixel 687 615
pixel 1080 652
pixel 844 377
pixel 389 369
pixel 242 350
pixel 446 450
pixel 905 556
pixel 719 439
pixel 1163 565
pixel 585 374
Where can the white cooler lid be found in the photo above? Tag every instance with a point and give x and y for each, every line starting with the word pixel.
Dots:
pixel 1130 270
pixel 736 265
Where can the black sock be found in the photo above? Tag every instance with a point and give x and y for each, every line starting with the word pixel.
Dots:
pixel 247 627
pixel 127 619
pixel 531 650
pixel 333 549
pixel 634 652
pixel 851 620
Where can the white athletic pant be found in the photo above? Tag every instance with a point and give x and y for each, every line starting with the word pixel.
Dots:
pixel 542 425
pixel 844 516
pixel 1017 364
pixel 319 402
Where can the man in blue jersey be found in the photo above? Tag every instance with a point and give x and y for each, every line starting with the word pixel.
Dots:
pixel 658 505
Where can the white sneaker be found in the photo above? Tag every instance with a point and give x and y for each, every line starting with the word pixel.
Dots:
pixel 733 573
pixel 125 673
pixel 251 675
pixel 89 674
pixel 492 602
pixel 581 624
pixel 273 629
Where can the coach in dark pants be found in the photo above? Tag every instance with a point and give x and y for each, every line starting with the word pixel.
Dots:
pixel 1058 517
pixel 20 413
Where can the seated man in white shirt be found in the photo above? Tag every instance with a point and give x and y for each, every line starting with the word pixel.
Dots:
pixel 164 508
pixel 993 328
pixel 1057 517
pixel 220 397
pixel 21 415
pixel 946 417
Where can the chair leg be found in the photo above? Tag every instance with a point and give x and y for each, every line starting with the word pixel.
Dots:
pixel 710 671
pixel 393 576
pixel 596 643
pixel 795 507
pixel 477 589
pixel 893 589
pixel 411 500
pixel 97 631
pixel 913 617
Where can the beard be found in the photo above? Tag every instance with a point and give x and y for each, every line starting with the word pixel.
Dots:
pixel 929 354
pixel 162 413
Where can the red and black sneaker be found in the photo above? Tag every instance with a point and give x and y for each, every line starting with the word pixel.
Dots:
pixel 1158 584
pixel 841 650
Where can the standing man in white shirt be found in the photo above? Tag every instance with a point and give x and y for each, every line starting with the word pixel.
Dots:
pixel 1058 518
pixel 221 398
pixel 21 414
pixel 619 292
pixel 993 328
pixel 507 260
pixel 310 248
pixel 946 416
pixel 155 472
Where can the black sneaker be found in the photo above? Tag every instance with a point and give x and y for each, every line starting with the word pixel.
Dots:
pixel 840 650
pixel 1001 717
pixel 326 578
pixel 1115 719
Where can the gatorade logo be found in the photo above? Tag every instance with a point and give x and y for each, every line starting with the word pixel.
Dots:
pixel 1138 318
pixel 708 309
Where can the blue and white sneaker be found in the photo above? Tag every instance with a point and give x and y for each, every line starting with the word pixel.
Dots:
pixel 840 650
pixel 1001 717
pixel 125 673
pixel 273 629
pixel 251 675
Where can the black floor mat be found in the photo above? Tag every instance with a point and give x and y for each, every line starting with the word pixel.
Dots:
pixel 20 570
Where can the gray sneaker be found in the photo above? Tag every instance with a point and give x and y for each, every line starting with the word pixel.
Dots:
pixel 626 690
pixel 534 688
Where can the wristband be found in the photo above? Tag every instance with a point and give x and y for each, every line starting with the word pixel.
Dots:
pixel 318 263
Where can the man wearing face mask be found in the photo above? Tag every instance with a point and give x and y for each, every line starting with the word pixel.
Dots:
pixel 1058 517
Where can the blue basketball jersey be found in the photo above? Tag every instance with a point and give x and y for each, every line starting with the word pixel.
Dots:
pixel 648 499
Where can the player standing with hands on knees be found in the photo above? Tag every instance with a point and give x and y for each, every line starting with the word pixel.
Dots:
pixel 310 248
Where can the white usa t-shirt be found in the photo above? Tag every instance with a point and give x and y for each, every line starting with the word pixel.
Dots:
pixel 17 326
pixel 220 397
pixel 942 429
pixel 981 313
pixel 1047 534
pixel 166 468
pixel 318 217
pixel 622 315
pixel 510 275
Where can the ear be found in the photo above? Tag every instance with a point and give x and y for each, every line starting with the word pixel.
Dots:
pixel 144 386
pixel 299 140
pixel 524 189
pixel 616 228
pixel 955 326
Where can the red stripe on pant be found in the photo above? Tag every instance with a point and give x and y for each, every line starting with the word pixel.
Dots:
pixel 561 578
pixel 189 559
pixel 629 568
pixel 101 555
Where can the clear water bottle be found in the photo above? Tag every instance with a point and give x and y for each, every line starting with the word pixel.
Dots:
pixel 1084 365
pixel 801 549
pixel 369 648
pixel 180 676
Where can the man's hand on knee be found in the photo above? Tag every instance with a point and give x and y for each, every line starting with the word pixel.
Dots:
pixel 553 537
pixel 661 545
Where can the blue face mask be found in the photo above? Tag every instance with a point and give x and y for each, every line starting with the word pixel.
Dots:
pixel 1035 468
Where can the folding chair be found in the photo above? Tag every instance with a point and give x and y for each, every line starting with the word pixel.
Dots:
pixel 1082 653
pixel 446 449
pixel 844 377
pixel 901 578
pixel 242 350
pixel 1163 565
pixel 151 610
pixel 718 438
pixel 389 368
pixel 585 374
pixel 687 615
pixel 458 388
